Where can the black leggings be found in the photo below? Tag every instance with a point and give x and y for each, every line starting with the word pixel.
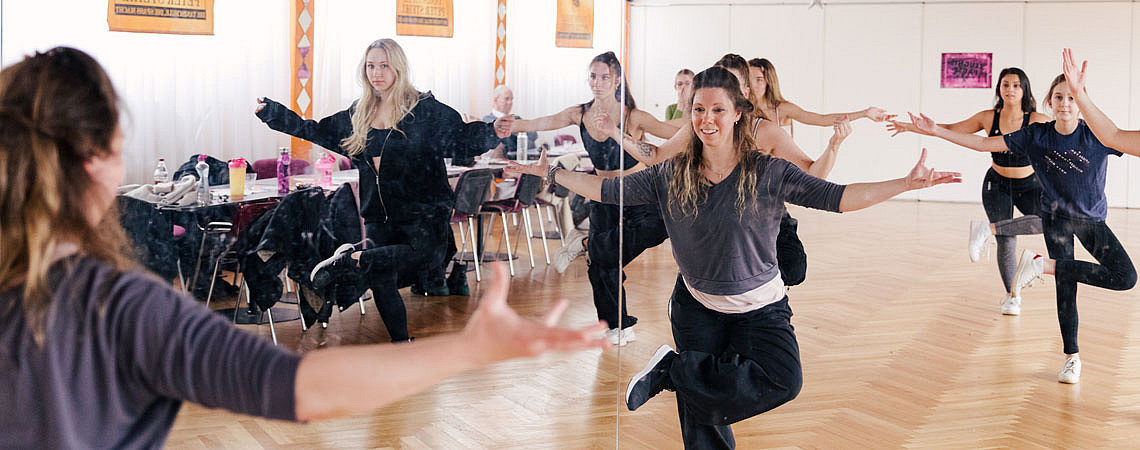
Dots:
pixel 400 249
pixel 1115 270
pixel 643 229
pixel 999 196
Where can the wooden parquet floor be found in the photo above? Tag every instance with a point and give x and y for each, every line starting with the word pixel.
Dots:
pixel 902 342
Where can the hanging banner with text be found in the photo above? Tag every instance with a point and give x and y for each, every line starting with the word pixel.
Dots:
pixel 161 16
pixel 425 18
pixel 967 70
pixel 575 27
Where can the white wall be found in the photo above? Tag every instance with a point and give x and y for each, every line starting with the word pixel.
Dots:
pixel 854 53
pixel 189 94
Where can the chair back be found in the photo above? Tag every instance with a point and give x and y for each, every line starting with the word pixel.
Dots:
pixel 267 168
pixel 472 189
pixel 527 189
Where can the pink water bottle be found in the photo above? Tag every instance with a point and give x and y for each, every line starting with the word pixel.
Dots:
pixel 283 161
pixel 324 170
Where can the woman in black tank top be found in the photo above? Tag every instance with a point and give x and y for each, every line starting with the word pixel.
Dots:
pixel 642 225
pixel 1009 183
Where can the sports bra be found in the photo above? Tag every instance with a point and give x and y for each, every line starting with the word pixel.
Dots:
pixel 1008 158
pixel 604 155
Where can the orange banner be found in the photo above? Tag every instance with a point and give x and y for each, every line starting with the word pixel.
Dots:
pixel 575 27
pixel 425 18
pixel 161 16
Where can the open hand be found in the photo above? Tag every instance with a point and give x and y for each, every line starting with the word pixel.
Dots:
pixel 497 332
pixel 923 177
pixel 877 114
pixel 898 127
pixel 603 123
pixel 923 123
pixel 1075 78
pixel 538 169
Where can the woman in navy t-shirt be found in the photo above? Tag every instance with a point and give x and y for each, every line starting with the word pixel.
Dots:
pixel 1071 164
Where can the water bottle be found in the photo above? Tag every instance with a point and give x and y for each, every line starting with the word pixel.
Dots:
pixel 203 170
pixel 324 170
pixel 520 152
pixel 161 175
pixel 283 161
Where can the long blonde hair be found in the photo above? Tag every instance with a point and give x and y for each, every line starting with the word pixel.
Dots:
pixel 688 187
pixel 772 95
pixel 58 110
pixel 403 95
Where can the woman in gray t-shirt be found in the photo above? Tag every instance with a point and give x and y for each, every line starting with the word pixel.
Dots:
pixel 736 351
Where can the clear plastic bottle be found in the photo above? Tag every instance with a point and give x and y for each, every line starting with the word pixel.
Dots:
pixel 520 151
pixel 203 170
pixel 283 161
pixel 161 174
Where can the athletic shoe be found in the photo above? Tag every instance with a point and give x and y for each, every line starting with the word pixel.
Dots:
pixel 1071 373
pixel 1011 306
pixel 622 337
pixel 1029 269
pixel 325 271
pixel 575 247
pixel 979 237
pixel 652 379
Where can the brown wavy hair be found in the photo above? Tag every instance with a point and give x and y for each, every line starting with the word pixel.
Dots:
pixel 738 65
pixel 772 95
pixel 58 110
pixel 688 187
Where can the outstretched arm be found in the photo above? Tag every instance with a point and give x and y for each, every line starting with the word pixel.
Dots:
pixel 1102 127
pixel 565 118
pixel 651 125
pixel 969 126
pixel 861 195
pixel 971 141
pixel 791 110
pixel 644 152
pixel 494 333
pixel 584 184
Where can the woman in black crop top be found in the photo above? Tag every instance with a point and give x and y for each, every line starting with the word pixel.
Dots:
pixel 643 227
pixel 1009 183
pixel 397 137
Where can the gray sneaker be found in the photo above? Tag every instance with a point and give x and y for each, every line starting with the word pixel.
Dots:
pixel 575 247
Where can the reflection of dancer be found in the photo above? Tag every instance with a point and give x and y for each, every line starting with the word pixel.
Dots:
pixel 97 355
pixel 683 84
pixel 736 351
pixel 1010 181
pixel 770 139
pixel 642 227
pixel 772 105
pixel 397 138
pixel 1071 164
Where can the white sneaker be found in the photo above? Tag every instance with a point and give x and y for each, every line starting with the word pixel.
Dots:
pixel 1029 269
pixel 623 337
pixel 1071 373
pixel 979 237
pixel 1011 306
pixel 575 247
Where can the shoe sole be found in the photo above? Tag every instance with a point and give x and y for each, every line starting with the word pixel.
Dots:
pixel 337 254
pixel 660 354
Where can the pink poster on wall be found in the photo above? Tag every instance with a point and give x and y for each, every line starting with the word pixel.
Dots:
pixel 967 70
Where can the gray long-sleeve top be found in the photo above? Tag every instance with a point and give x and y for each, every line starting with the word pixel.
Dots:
pixel 719 251
pixel 121 351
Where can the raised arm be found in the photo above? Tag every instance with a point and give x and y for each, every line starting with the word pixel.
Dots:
pixel 861 195
pixel 1102 127
pixel 785 148
pixel 971 125
pixel 791 110
pixel 494 333
pixel 567 117
pixel 971 141
pixel 327 133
